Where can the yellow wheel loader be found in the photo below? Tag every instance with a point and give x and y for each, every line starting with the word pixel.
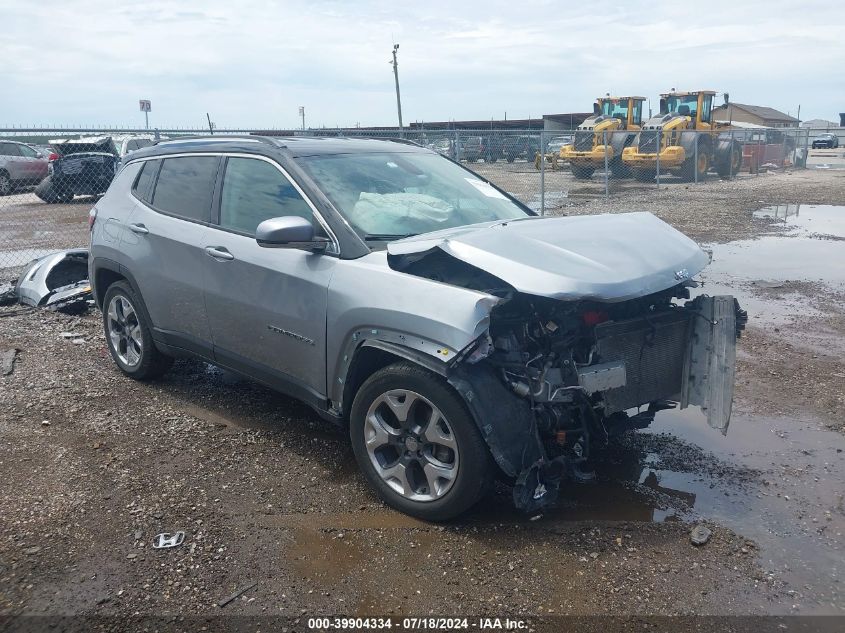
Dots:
pixel 612 128
pixel 684 140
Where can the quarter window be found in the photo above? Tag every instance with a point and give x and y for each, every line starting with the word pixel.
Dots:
pixel 143 188
pixel 185 186
pixel 254 191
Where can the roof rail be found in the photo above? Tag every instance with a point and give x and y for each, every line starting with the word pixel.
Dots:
pixel 212 137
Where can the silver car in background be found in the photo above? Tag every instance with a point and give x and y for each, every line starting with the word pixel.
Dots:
pixel 456 335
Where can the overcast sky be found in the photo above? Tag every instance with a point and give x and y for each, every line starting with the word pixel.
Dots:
pixel 251 63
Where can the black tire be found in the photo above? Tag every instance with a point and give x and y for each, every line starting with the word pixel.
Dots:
pixel 510 158
pixel 152 363
pixel 475 468
pixel 728 159
pixel 644 175
pixel 619 169
pixel 689 168
pixel 583 173
pixel 6 187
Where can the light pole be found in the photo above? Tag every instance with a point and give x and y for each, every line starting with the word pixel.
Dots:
pixel 398 98
pixel 302 114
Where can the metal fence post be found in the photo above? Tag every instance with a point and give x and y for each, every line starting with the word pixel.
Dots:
pixel 542 174
pixel 604 142
pixel 695 158
pixel 760 147
pixel 457 147
pixel 657 164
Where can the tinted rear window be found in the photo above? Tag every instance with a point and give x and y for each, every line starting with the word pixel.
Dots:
pixel 143 188
pixel 185 185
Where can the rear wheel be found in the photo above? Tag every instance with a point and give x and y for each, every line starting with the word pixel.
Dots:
pixel 417 444
pixel 5 184
pixel 581 172
pixel 129 336
pixel 729 159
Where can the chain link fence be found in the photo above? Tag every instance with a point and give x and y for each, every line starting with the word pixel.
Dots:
pixel 50 178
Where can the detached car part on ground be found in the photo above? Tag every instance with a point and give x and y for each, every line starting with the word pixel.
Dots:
pixel 58 281
pixel 511 347
pixel 83 167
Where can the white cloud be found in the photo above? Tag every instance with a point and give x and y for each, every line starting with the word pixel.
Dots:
pixel 252 63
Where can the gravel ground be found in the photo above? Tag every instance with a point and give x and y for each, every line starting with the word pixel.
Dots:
pixel 93 465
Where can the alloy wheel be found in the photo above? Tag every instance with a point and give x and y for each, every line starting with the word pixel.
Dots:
pixel 124 330
pixel 411 445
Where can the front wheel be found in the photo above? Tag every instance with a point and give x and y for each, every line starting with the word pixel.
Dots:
pixel 417 444
pixel 583 173
pixel 644 175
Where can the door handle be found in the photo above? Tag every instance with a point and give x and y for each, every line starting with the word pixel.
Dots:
pixel 218 252
pixel 139 228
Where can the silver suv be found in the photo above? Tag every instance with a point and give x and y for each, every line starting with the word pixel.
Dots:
pixel 457 336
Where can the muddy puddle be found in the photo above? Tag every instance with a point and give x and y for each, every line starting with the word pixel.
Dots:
pixel 805 250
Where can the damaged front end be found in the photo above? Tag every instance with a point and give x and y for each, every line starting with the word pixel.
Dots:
pixel 553 377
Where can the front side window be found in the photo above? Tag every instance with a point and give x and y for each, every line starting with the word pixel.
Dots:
pixel 185 186
pixel 706 102
pixel 27 151
pixel 389 195
pixel 255 190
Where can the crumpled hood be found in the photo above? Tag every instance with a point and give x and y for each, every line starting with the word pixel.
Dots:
pixel 611 257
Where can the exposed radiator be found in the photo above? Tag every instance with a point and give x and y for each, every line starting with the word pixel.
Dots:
pixel 653 350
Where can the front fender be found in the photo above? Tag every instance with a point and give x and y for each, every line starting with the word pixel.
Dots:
pixel 370 303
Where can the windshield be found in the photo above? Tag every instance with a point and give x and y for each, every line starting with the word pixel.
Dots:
pixel 615 108
pixel 686 105
pixel 391 195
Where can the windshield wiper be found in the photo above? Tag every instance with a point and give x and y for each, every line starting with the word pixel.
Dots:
pixel 380 237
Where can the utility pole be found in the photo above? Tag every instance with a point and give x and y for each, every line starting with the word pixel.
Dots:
pixel 398 98
pixel 302 114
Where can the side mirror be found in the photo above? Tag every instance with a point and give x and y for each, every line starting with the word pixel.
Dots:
pixel 596 108
pixel 39 155
pixel 290 231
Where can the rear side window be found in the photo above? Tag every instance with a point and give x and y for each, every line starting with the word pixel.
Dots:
pixel 184 186
pixel 143 188
pixel 254 191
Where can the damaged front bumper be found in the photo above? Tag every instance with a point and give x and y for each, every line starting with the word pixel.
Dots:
pixel 542 436
pixel 56 281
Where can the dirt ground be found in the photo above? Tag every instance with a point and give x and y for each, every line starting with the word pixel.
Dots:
pixel 93 465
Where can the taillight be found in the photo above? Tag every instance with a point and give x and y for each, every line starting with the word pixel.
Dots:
pixel 92 216
pixel 53 156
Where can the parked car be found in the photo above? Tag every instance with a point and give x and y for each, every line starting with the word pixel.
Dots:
pixel 454 334
pixel 126 144
pixel 826 141
pixel 555 143
pixel 20 165
pixel 514 147
pixel 81 167
pixel 471 148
